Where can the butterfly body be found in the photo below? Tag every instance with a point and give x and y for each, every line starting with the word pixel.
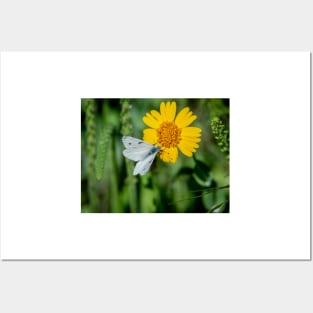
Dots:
pixel 140 151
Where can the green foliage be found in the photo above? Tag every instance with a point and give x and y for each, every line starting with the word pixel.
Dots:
pixel 191 185
pixel 90 120
pixel 126 117
pixel 102 150
pixel 148 195
pixel 221 135
pixel 202 173
pixel 126 127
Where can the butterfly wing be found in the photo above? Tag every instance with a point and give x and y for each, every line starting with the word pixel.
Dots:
pixel 136 149
pixel 141 151
pixel 131 142
pixel 143 166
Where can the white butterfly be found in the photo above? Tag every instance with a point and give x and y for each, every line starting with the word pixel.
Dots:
pixel 141 151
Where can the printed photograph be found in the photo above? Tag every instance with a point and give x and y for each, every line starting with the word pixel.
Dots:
pixel 155 156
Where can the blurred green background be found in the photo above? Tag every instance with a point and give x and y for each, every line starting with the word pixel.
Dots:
pixel 199 184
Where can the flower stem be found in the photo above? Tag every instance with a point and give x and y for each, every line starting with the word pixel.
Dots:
pixel 115 204
pixel 91 151
pixel 132 181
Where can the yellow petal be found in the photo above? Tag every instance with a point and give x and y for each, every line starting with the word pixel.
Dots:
pixel 185 150
pixel 150 136
pixel 156 115
pixel 191 132
pixel 187 121
pixel 163 111
pixel 169 155
pixel 170 111
pixel 189 144
pixel 149 120
pixel 191 138
pixel 184 118
pixel 180 116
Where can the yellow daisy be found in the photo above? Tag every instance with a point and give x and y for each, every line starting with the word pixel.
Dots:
pixel 169 132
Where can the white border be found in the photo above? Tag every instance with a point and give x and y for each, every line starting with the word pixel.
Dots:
pixel 40 155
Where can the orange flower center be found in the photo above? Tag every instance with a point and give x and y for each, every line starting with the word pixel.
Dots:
pixel 168 135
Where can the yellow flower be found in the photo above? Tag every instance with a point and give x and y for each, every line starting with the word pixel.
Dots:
pixel 169 132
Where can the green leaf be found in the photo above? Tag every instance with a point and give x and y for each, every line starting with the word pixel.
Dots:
pixel 218 208
pixel 102 151
pixel 202 174
pixel 147 195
